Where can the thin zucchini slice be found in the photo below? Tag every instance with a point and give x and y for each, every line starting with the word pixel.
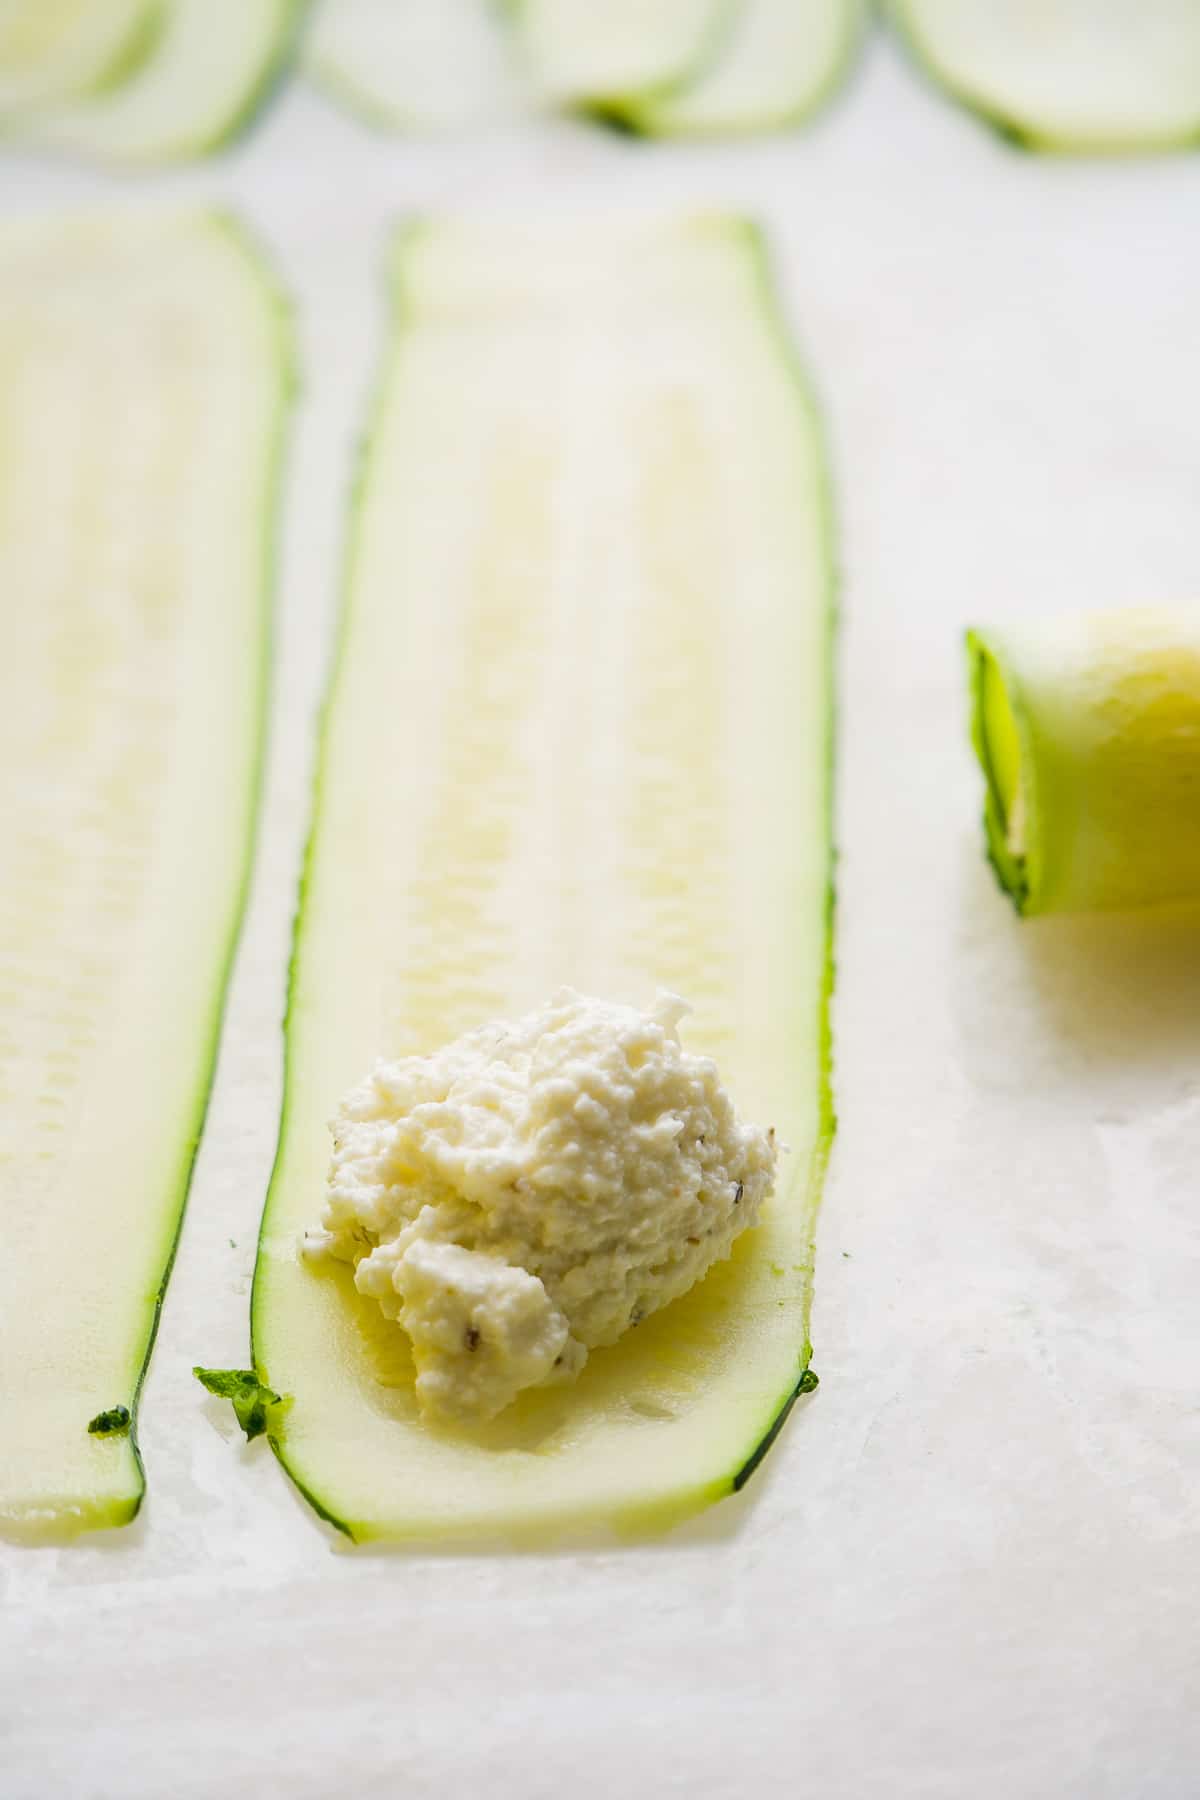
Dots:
pixel 140 411
pixel 620 54
pixel 416 65
pixel 782 61
pixel 1069 75
pixel 1088 733
pixel 54 50
pixel 211 65
pixel 579 732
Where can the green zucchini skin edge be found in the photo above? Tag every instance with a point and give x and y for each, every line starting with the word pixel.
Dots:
pixel 1009 132
pixel 270 80
pixel 273 487
pixel 129 58
pixel 794 370
pixel 641 121
pixel 624 113
pixel 277 1439
pixel 137 51
pixel 266 82
pixel 351 102
pixel 337 658
pixel 263 88
pixel 1012 132
pixel 619 112
pixel 806 396
pixel 1011 871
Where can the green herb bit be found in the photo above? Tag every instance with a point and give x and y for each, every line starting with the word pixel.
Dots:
pixel 250 1399
pixel 113 1423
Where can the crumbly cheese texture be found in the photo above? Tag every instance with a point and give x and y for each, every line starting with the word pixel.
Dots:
pixel 536 1188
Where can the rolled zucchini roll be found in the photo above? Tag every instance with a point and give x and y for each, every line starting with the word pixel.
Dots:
pixel 1088 733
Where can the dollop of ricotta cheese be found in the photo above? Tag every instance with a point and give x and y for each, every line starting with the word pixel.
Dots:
pixel 534 1189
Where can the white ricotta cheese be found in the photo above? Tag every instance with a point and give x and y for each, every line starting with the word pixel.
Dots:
pixel 534 1189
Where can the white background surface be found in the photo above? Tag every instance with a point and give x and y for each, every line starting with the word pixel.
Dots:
pixel 969 1568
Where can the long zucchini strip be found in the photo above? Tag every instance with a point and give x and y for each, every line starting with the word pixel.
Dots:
pixel 579 732
pixel 782 62
pixel 1091 76
pixel 1088 733
pixel 622 54
pixel 55 50
pixel 209 69
pixel 144 375
pixel 416 65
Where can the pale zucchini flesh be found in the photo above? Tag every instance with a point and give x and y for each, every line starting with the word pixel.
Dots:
pixel 1068 75
pixel 781 61
pixel 416 65
pixel 580 731
pixel 54 50
pixel 621 53
pixel 210 66
pixel 140 411
pixel 1088 733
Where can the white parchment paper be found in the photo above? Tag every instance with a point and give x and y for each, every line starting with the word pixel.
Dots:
pixel 969 1568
